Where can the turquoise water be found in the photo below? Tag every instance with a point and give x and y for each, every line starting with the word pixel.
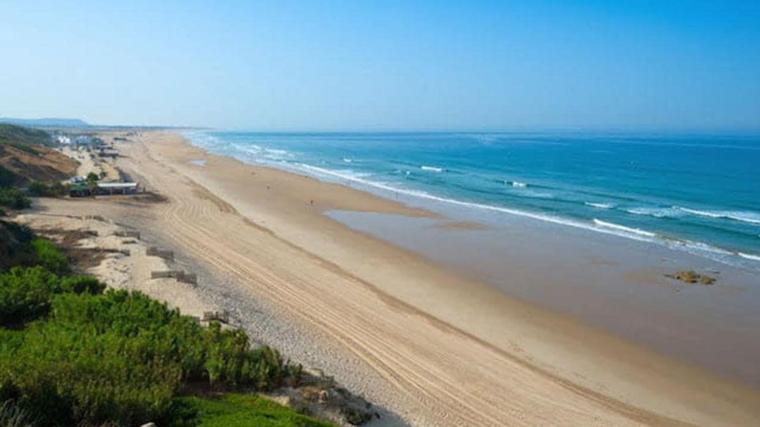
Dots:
pixel 699 194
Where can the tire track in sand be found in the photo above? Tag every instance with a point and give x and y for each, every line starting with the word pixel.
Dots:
pixel 453 378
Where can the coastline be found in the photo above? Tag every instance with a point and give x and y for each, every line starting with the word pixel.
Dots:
pixel 453 350
pixel 610 282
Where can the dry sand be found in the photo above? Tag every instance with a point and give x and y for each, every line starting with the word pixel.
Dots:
pixel 126 264
pixel 89 162
pixel 430 346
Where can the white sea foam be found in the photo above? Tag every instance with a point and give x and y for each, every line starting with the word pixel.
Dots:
pixel 656 212
pixel 423 195
pixel 699 247
pixel 347 160
pixel 519 184
pixel 431 168
pixel 749 256
pixel 623 228
pixel 600 205
pixel 742 216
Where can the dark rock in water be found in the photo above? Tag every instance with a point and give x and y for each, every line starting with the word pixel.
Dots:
pixel 692 277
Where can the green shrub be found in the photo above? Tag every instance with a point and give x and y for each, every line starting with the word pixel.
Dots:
pixel 73 355
pixel 13 198
pixel 41 189
pixel 15 247
pixel 82 285
pixel 7 178
pixel 25 294
pixel 49 256
pixel 122 357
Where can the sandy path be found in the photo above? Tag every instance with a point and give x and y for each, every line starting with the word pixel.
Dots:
pixel 433 373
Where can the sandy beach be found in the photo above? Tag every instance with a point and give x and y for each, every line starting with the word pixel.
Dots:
pixel 428 345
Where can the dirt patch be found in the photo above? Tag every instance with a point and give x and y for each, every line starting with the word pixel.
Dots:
pixel 81 258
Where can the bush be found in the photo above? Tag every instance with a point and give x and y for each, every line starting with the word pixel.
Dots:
pixel 15 247
pixel 13 198
pixel 50 257
pixel 25 294
pixel 121 357
pixel 73 355
pixel 82 285
pixel 41 189
pixel 7 178
pixel 230 362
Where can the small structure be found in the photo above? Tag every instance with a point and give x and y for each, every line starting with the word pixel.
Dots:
pixel 81 188
pixel 127 233
pixel 161 253
pixel 220 316
pixel 169 274
pixel 117 188
pixel 185 277
pixel 179 275
pixel 108 152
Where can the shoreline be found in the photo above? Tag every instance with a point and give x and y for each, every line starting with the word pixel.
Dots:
pixel 424 331
pixel 603 280
pixel 445 205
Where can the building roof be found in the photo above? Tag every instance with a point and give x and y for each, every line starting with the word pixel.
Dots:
pixel 117 185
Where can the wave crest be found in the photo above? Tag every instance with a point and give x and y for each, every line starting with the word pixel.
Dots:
pixel 623 228
pixel 431 168
pixel 741 216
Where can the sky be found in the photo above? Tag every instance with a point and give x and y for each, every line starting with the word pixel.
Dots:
pixel 385 65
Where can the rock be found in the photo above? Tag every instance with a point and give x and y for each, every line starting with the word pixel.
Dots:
pixel 151 424
pixel 692 277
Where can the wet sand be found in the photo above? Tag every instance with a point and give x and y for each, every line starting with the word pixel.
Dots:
pixel 607 281
pixel 429 344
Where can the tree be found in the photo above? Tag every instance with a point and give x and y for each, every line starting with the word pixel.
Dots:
pixel 92 181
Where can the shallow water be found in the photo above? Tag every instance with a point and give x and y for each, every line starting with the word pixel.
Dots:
pixel 610 282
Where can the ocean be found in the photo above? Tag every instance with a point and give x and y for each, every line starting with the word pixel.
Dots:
pixel 694 193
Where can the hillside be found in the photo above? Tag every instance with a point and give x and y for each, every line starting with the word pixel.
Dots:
pixel 50 122
pixel 25 155
pixel 19 135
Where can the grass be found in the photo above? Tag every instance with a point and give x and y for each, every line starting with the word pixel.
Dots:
pixel 237 410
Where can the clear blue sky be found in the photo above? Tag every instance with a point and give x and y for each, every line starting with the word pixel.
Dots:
pixel 369 65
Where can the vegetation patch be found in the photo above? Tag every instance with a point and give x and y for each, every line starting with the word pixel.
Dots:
pixel 13 198
pixel 238 410
pixel 43 189
pixel 72 353
pixel 20 135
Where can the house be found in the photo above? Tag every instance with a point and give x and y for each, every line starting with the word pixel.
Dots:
pixel 80 188
pixel 117 188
